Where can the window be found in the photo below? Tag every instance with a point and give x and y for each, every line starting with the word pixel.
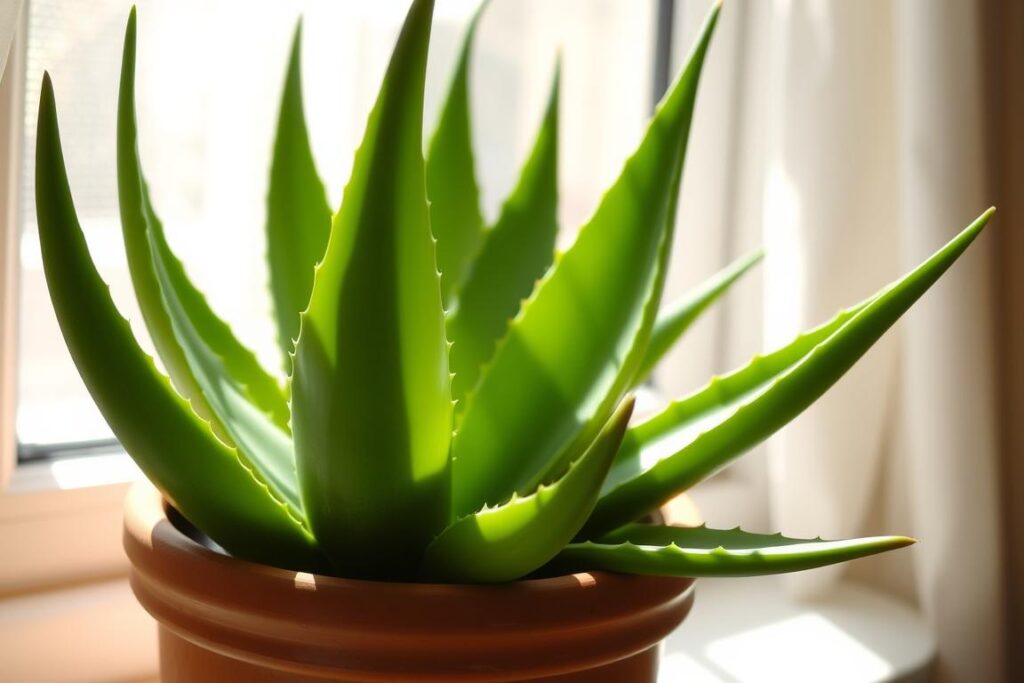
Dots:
pixel 209 78
pixel 207 116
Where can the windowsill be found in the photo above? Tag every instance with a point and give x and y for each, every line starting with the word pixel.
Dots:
pixel 64 474
pixel 747 630
pixel 64 518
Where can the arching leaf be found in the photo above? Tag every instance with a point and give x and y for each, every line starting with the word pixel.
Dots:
pixel 137 218
pixel 264 445
pixel 207 481
pixel 785 398
pixel 700 552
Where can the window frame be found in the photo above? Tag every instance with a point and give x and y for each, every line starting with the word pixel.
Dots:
pixel 34 508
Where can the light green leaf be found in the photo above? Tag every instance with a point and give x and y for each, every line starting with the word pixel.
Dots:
pixel 264 445
pixel 298 215
pixel 676 424
pixel 371 398
pixel 699 552
pixel 575 346
pixel 674 321
pixel 509 541
pixel 137 218
pixel 785 398
pixel 207 481
pixel 455 217
pixel 516 253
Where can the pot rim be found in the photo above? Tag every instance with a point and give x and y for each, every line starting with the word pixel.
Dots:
pixel 324 625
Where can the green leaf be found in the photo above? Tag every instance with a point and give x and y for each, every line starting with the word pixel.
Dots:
pixel 298 215
pixel 674 321
pixel 575 346
pixel 138 218
pixel 507 542
pixel 785 398
pixel 455 217
pixel 698 552
pixel 516 253
pixel 371 397
pixel 676 424
pixel 266 447
pixel 207 481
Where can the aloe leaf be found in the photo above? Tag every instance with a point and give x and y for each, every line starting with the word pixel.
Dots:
pixel 137 219
pixel 298 215
pixel 516 253
pixel 575 346
pixel 371 397
pixel 509 541
pixel 674 321
pixel 703 552
pixel 455 216
pixel 267 448
pixel 206 480
pixel 785 398
pixel 677 423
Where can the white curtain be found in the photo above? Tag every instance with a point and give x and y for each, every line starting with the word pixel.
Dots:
pixel 871 156
pixel 9 10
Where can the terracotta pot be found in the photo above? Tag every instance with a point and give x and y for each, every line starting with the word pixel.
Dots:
pixel 222 619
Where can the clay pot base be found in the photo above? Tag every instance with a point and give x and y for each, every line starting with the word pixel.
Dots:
pixel 223 619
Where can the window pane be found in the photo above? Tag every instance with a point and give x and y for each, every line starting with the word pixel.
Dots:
pixel 209 76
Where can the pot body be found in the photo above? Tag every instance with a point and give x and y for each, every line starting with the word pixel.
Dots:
pixel 223 619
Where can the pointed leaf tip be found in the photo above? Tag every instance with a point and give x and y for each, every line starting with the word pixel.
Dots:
pixel 759 414
pixel 505 542
pixel 573 350
pixel 371 400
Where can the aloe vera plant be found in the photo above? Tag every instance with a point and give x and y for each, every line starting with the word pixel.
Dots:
pixel 456 401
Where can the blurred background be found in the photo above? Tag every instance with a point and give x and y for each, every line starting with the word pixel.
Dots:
pixel 850 140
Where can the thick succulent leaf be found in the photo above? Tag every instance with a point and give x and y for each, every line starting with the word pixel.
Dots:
pixel 676 424
pixel 574 348
pixel 371 398
pixel 516 253
pixel 509 541
pixel 697 552
pixel 675 320
pixel 786 397
pixel 455 216
pixel 206 480
pixel 263 444
pixel 298 215
pixel 137 218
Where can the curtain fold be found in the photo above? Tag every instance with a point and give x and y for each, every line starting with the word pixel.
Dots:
pixel 875 155
pixel 9 11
